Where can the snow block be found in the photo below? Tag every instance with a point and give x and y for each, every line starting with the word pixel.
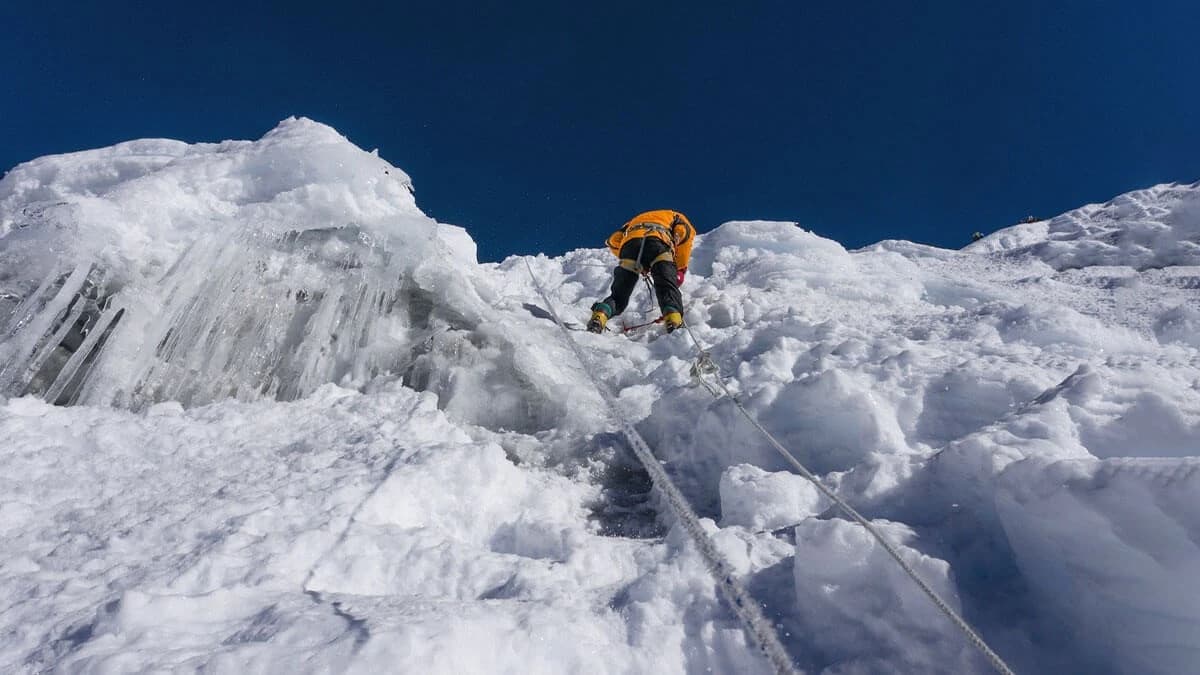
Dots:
pixel 863 612
pixel 1112 547
pixel 762 500
pixel 834 420
pixel 1180 324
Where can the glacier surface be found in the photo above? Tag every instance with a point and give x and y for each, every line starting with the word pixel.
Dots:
pixel 259 413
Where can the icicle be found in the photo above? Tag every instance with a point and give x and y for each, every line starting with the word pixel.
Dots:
pixel 242 312
pixel 31 344
pixel 23 312
pixel 48 347
pixel 95 337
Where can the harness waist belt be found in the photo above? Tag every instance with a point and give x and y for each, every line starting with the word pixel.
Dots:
pixel 634 266
pixel 655 227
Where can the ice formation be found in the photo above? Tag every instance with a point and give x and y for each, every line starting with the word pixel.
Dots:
pixel 311 433
pixel 156 271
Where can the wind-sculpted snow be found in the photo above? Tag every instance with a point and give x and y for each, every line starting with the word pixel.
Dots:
pixel 312 434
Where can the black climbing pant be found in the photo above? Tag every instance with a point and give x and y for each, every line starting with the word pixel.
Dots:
pixel 662 273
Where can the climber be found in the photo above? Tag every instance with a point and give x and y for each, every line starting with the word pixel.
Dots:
pixel 658 243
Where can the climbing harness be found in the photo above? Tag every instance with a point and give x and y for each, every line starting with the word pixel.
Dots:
pixel 649 227
pixel 708 374
pixel 636 266
pixel 667 233
pixel 757 627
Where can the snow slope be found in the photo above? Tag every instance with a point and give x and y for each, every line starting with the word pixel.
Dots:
pixel 311 433
pixel 1151 228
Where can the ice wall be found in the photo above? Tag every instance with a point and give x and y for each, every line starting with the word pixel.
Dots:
pixel 157 270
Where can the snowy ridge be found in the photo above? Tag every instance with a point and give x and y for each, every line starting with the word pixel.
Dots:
pixel 1151 228
pixel 322 438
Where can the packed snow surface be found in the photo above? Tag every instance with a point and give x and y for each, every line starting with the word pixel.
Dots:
pixel 300 429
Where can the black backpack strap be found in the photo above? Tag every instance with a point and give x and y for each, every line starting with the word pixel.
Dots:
pixel 687 231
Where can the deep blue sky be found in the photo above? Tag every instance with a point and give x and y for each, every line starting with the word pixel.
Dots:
pixel 542 126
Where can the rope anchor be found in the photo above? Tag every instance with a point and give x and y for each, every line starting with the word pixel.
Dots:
pixel 707 373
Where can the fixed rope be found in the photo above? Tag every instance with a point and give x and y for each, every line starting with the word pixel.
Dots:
pixel 760 631
pixel 705 366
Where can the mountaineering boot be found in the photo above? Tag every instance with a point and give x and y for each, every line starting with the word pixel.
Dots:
pixel 672 320
pixel 598 321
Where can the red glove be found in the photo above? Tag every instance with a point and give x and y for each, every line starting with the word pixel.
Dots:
pixel 679 276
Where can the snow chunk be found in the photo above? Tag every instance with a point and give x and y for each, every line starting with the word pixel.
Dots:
pixel 762 500
pixel 1112 547
pixel 851 593
pixel 1179 324
pixel 760 252
pixel 459 242
pixel 843 421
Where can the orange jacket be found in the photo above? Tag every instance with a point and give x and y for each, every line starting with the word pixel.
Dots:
pixel 670 226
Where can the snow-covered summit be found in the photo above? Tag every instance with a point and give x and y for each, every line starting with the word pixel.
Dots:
pixel 161 187
pixel 313 434
pixel 1151 228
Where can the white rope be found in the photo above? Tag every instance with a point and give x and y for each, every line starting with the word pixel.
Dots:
pixel 972 637
pixel 760 631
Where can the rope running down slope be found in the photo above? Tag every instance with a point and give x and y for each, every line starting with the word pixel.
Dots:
pixel 973 637
pixel 760 631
